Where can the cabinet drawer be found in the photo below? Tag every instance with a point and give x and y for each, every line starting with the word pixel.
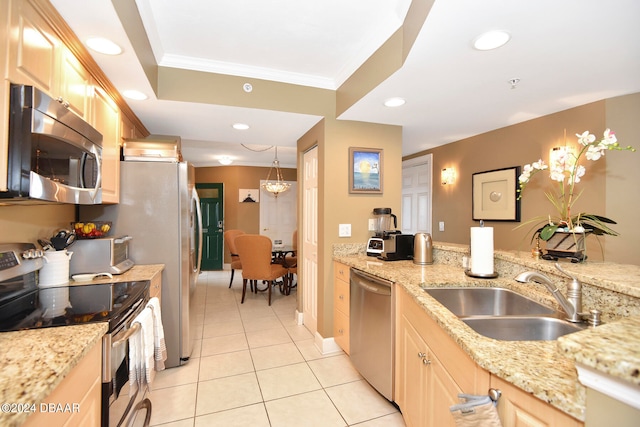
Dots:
pixel 341 296
pixel 341 271
pixel 341 330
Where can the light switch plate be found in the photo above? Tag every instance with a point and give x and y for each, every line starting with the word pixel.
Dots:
pixel 344 230
pixel 372 224
pixel 441 226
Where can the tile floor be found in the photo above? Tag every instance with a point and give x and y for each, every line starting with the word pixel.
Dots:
pixel 254 366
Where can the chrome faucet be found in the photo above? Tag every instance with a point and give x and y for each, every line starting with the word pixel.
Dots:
pixel 571 304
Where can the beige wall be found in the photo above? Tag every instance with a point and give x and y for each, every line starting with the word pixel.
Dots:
pixel 527 142
pixel 623 175
pixel 243 216
pixel 23 223
pixel 336 205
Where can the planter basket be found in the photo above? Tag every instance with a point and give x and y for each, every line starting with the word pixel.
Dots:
pixel 564 244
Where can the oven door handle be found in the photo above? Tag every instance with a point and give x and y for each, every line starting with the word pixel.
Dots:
pixel 132 330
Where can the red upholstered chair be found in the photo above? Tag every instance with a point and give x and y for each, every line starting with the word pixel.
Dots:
pixel 255 252
pixel 229 241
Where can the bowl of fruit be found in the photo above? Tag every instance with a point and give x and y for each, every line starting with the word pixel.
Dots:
pixel 91 230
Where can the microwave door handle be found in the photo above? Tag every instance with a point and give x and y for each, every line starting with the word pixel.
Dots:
pixel 99 178
pixel 83 162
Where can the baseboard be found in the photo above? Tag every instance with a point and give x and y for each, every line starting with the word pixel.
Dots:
pixel 326 346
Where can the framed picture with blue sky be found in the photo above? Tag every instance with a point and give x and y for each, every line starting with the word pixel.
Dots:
pixel 365 170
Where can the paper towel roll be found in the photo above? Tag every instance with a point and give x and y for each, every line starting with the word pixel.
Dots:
pixel 482 250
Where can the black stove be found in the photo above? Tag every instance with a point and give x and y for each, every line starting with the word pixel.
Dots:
pixel 23 305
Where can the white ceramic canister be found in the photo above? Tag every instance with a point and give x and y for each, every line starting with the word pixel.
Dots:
pixel 55 271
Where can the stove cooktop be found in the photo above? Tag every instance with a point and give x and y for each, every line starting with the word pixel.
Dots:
pixel 71 305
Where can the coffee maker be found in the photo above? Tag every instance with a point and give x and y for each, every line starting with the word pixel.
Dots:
pixel 382 230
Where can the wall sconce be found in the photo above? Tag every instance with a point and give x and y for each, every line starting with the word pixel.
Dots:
pixel 448 176
pixel 562 155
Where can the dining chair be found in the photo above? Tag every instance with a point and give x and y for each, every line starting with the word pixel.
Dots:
pixel 255 252
pixel 291 262
pixel 229 241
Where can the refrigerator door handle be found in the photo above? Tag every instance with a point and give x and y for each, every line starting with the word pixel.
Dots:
pixel 196 201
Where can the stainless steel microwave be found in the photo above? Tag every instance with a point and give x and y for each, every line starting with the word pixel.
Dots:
pixel 53 154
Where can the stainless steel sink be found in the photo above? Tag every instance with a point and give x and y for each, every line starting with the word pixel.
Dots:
pixel 521 328
pixel 465 302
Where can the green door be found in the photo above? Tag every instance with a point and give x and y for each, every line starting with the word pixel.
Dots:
pixel 211 198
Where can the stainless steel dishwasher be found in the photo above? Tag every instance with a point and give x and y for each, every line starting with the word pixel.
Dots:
pixel 371 330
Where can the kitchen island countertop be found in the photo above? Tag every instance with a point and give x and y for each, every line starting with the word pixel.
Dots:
pixel 538 367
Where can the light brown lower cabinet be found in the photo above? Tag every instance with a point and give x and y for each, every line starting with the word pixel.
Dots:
pixel 431 370
pixel 76 400
pixel 518 408
pixel 341 305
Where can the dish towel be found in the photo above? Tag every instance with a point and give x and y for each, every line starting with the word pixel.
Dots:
pixel 475 411
pixel 141 357
pixel 159 345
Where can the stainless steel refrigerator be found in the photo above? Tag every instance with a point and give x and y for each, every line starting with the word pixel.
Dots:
pixel 159 208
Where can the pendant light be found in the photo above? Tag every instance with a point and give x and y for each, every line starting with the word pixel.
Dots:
pixel 278 186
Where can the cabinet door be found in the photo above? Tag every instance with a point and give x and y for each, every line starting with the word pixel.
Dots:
pixel 412 380
pixel 518 408
pixel 75 85
pixel 442 392
pixel 33 48
pixel 79 394
pixel 107 121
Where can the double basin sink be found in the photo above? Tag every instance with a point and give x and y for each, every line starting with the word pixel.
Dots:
pixel 503 314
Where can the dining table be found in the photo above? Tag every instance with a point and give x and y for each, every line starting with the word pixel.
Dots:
pixel 279 254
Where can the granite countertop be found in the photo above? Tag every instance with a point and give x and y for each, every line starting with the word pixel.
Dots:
pixel 135 273
pixel 33 362
pixel 538 367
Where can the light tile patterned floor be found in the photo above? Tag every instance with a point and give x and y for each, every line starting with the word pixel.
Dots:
pixel 254 366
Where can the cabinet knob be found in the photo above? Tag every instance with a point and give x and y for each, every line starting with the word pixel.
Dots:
pixel 341 297
pixel 426 361
pixel 341 331
pixel 422 355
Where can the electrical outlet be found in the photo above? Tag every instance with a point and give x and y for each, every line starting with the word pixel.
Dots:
pixel 372 224
pixel 441 226
pixel 344 230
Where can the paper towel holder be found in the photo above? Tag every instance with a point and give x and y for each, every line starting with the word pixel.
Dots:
pixel 469 273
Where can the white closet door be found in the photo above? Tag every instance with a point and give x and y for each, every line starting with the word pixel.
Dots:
pixel 416 195
pixel 309 237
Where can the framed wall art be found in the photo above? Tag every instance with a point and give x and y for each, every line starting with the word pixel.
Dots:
pixel 365 170
pixel 495 195
pixel 249 195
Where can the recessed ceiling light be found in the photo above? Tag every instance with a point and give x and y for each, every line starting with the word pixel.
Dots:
pixel 225 160
pixel 102 45
pixel 491 40
pixel 240 126
pixel 134 94
pixel 394 102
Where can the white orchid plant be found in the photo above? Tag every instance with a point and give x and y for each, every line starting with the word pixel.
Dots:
pixel 565 170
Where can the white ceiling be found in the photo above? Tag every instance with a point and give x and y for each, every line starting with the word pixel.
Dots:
pixel 565 53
